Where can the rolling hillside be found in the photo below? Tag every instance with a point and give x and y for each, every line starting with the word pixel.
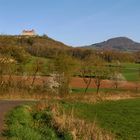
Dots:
pixel 26 41
pixel 119 43
pixel 36 46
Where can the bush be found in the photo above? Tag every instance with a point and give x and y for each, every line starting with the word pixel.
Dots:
pixel 19 116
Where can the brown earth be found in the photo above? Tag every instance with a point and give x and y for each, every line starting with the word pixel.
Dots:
pixel 76 82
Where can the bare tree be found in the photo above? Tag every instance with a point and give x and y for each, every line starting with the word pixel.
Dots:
pixel 86 71
pixel 95 69
pixel 99 75
pixel 36 68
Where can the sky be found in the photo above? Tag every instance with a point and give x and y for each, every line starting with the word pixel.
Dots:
pixel 74 22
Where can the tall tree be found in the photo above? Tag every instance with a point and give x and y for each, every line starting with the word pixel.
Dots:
pixel 37 67
pixel 86 71
pixel 94 68
pixel 100 71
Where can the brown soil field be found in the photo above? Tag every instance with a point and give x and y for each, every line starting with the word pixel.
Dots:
pixel 76 82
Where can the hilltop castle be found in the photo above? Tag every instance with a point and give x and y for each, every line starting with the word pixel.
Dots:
pixel 28 33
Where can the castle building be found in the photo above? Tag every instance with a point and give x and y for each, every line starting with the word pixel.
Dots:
pixel 28 33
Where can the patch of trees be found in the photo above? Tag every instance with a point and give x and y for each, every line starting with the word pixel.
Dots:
pixel 43 46
pixel 94 67
pixel 15 52
pixel 111 55
pixel 38 46
pixel 106 55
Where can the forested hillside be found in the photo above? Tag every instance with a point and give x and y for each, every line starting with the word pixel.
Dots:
pixel 24 45
pixel 21 48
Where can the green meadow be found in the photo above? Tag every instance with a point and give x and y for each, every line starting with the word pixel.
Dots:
pixel 121 118
pixel 131 71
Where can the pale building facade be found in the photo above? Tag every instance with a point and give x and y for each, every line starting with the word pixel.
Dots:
pixel 28 33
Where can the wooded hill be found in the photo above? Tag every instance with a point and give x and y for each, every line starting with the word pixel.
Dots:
pixel 118 43
pixel 22 47
pixel 27 41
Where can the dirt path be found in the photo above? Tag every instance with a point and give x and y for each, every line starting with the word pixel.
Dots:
pixel 7 105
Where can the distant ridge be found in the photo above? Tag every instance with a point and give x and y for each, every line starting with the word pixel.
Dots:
pixel 118 43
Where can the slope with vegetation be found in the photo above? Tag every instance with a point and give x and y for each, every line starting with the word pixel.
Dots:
pixel 37 46
pixel 70 120
pixel 118 43
pixel 48 121
pixel 26 122
pixel 26 61
pixel 122 118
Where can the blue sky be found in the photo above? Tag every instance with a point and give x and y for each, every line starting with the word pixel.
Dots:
pixel 74 22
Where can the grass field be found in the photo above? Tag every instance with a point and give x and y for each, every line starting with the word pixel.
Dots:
pixel 131 71
pixel 31 62
pixel 105 90
pixel 122 118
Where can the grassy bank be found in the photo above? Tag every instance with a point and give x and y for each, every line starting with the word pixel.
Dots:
pixel 121 118
pixel 49 122
pixel 26 123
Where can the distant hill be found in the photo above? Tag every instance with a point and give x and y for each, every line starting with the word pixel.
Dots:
pixel 118 43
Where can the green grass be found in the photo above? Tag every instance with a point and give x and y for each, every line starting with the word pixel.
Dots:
pixel 26 123
pixel 30 64
pixel 33 59
pixel 93 90
pixel 19 122
pixel 131 71
pixel 122 118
